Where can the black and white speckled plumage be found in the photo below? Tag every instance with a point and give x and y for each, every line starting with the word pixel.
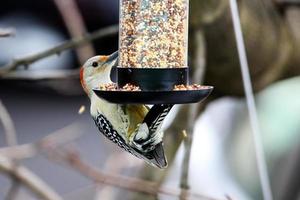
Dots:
pixel 156 116
pixel 107 130
pixel 151 151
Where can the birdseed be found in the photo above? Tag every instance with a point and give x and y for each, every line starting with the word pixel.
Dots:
pixel 153 33
pixel 130 87
pixel 189 87
pixel 109 87
pixel 114 87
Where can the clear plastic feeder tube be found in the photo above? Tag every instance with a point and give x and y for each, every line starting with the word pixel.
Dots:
pixel 153 33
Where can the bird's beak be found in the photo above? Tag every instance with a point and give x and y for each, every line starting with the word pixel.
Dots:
pixel 113 57
pixel 113 61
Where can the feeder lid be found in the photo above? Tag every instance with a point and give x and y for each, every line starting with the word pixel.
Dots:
pixel 155 97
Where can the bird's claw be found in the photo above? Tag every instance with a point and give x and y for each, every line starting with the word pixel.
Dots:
pixel 144 140
pixel 145 146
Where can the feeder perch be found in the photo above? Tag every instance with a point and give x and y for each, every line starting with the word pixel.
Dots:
pixel 153 54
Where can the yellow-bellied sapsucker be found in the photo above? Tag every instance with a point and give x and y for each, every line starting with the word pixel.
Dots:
pixel 135 128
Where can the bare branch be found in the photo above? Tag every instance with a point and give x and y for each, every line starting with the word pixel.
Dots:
pixel 199 63
pixel 29 179
pixel 115 164
pixel 19 174
pixel 75 42
pixel 13 190
pixel 55 139
pixel 288 2
pixel 8 125
pixel 11 140
pixel 19 152
pixel 75 24
pixel 6 32
pixel 50 144
pixel 22 175
pixel 45 74
pixel 133 184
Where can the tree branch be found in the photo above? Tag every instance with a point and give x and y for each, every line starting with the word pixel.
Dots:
pixel 50 145
pixel 22 175
pixel 11 140
pixel 75 25
pixel 6 32
pixel 8 125
pixel 75 42
pixel 55 139
pixel 287 2
pixel 29 179
pixel 199 66
pixel 115 164
pixel 13 190
pixel 133 184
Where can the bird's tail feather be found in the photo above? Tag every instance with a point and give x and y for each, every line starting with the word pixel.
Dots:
pixel 156 116
pixel 157 156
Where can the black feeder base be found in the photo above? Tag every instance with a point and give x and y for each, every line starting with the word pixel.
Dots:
pixel 156 87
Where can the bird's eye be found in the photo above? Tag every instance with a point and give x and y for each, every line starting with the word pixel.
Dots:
pixel 95 64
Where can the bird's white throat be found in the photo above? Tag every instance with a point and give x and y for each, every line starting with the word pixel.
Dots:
pixel 100 78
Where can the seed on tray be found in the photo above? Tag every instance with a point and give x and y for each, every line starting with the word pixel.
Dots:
pixel 109 87
pixel 130 87
pixel 114 87
pixel 188 87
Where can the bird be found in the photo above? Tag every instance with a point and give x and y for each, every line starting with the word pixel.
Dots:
pixel 137 129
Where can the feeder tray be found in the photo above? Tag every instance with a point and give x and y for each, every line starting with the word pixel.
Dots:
pixel 154 97
pixel 157 87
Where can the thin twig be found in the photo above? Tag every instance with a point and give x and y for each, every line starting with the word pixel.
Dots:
pixel 8 125
pixel 29 179
pixel 75 42
pixel 6 32
pixel 251 105
pixel 45 74
pixel 199 63
pixel 21 174
pixel 55 139
pixel 50 145
pixel 133 184
pixel 13 190
pixel 11 140
pixel 288 2
pixel 75 25
pixel 115 164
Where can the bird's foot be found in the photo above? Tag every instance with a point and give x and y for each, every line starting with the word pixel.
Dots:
pixel 144 141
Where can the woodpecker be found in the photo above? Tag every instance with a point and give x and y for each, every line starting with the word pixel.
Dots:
pixel 134 128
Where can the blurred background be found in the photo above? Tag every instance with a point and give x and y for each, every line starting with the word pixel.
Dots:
pixel 45 96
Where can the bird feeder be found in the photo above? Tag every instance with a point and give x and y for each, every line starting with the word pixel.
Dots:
pixel 153 54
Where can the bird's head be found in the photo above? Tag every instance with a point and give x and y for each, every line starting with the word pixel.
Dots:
pixel 96 71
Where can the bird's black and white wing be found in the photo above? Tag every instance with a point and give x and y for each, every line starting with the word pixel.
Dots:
pixel 152 142
pixel 108 131
pixel 154 157
pixel 156 116
pixel 150 133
